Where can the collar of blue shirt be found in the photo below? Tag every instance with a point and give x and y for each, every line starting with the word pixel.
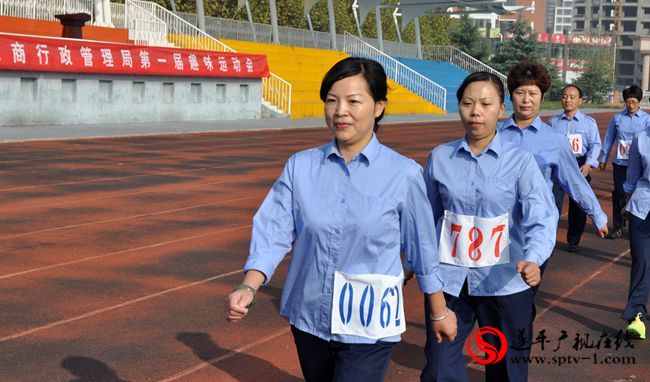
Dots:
pixel 577 116
pixel 495 146
pixel 370 152
pixel 510 123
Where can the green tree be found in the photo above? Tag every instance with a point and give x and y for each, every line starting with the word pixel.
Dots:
pixel 369 25
pixel 465 36
pixel 597 81
pixel 554 93
pixel 342 14
pixel 521 45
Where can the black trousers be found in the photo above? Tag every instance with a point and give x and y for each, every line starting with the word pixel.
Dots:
pixel 637 299
pixel 326 361
pixel 618 195
pixel 512 314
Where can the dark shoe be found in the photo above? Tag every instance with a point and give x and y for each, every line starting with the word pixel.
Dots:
pixel 615 234
pixel 572 248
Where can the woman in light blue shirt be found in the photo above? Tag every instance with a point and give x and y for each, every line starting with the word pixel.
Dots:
pixel 637 187
pixel 527 83
pixel 496 222
pixel 348 208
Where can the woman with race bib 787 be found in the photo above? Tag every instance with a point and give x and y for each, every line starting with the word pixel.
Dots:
pixel 496 221
pixel 349 208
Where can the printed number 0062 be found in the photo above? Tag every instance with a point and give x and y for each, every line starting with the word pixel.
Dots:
pixel 367 305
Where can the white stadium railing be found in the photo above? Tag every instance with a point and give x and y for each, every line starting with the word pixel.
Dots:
pixel 398 72
pixel 44 9
pixel 276 92
pixel 460 59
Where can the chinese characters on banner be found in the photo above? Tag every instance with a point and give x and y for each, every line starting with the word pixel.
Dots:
pixel 33 53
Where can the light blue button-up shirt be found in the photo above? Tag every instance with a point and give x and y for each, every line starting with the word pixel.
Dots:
pixel 623 127
pixel 638 176
pixel 584 125
pixel 556 161
pixel 353 218
pixel 502 179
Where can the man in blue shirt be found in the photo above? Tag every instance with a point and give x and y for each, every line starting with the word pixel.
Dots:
pixel 624 126
pixel 582 133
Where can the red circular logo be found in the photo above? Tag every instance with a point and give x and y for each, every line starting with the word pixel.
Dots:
pixel 492 354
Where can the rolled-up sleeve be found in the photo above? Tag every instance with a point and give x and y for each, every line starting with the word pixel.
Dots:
pixel 418 235
pixel 595 145
pixel 540 216
pixel 608 142
pixel 273 226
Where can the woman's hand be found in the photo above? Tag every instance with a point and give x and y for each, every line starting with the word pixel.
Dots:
pixel 237 303
pixel 445 329
pixel 529 272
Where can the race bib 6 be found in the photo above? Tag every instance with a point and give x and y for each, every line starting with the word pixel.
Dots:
pixel 472 242
pixel 576 143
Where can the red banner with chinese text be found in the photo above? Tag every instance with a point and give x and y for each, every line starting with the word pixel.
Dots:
pixel 43 54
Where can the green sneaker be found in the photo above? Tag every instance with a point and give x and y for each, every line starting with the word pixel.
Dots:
pixel 636 328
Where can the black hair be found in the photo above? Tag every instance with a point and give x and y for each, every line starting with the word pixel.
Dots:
pixel 528 73
pixel 479 77
pixel 572 86
pixel 633 91
pixel 372 72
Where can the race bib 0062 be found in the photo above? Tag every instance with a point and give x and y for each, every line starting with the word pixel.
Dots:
pixel 471 241
pixel 368 305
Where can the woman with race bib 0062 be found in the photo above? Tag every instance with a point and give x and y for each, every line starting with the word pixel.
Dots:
pixel 348 208
pixel 496 221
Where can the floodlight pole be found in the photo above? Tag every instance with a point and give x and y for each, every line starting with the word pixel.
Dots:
pixel 380 34
pixel 274 21
pixel 330 13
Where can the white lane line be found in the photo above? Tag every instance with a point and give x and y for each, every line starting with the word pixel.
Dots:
pixel 156 245
pixel 123 218
pixel 231 353
pixel 114 307
pixel 571 291
pixel 162 189
pixel 119 178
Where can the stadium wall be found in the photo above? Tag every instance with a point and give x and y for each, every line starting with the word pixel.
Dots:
pixel 40 98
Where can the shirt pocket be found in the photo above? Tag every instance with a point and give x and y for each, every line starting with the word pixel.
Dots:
pixel 501 195
pixel 373 217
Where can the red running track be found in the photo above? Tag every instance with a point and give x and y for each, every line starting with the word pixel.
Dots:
pixel 117 255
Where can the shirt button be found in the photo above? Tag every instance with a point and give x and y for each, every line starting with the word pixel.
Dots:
pixel 336 231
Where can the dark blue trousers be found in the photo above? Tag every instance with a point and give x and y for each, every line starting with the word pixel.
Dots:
pixel 512 314
pixel 637 299
pixel 618 195
pixel 327 361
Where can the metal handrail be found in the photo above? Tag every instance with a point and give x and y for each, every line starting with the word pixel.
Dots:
pixel 461 59
pixel 399 72
pixel 44 9
pixel 275 90
pixel 144 28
